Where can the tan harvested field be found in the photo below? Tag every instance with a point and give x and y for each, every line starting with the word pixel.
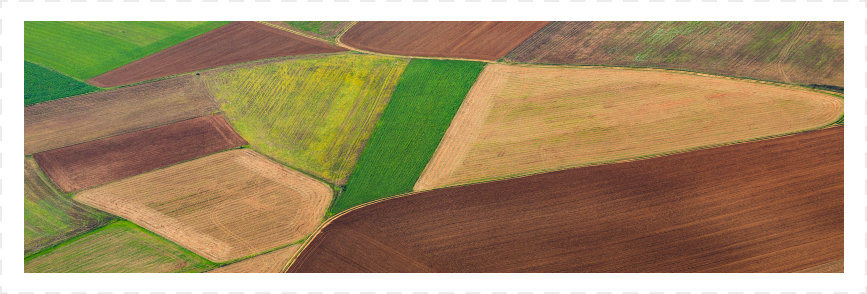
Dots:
pixel 271 262
pixel 597 115
pixel 772 205
pixel 222 207
pixel 80 119
pixel 486 40
pixel 784 51
pixel 236 42
pixel 835 266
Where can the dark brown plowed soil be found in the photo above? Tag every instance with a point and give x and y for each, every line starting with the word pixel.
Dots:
pixel 235 42
pixel 766 206
pixel 98 162
pixel 487 40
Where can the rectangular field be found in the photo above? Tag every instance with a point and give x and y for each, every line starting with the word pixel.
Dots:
pixel 67 122
pixel 86 49
pixel 485 40
pixel 520 120
pixel 120 247
pixel 102 161
pixel 223 207
pixel 334 102
pixel 50 217
pixel 783 51
pixel 766 206
pixel 236 42
pixel 412 125
pixel 42 84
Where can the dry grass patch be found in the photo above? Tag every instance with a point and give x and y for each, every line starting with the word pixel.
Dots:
pixel 271 262
pixel 223 207
pixel 522 120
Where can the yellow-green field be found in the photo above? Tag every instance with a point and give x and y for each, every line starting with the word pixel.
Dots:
pixel 313 114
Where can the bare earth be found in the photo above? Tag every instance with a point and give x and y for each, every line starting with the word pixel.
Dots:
pixel 80 119
pixel 835 266
pixel 222 207
pixel 520 120
pixel 271 262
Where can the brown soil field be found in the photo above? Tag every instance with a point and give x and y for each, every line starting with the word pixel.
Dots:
pixel 235 42
pixel 600 115
pixel 791 52
pixel 80 119
pixel 774 205
pixel 486 40
pixel 102 161
pixel 223 207
pixel 271 262
pixel 831 267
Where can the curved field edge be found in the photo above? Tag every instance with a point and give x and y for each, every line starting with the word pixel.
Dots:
pixel 123 53
pixel 194 262
pixel 439 174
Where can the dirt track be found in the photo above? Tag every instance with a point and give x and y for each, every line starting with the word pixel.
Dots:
pixel 766 206
pixel 98 162
pixel 467 39
pixel 235 42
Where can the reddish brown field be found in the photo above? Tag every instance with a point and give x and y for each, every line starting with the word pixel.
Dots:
pixel 236 42
pixel 98 162
pixel 487 40
pixel 765 206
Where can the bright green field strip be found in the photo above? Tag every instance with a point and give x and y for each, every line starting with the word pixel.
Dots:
pixel 42 84
pixel 425 101
pixel 121 247
pixel 313 114
pixel 84 50
pixel 50 217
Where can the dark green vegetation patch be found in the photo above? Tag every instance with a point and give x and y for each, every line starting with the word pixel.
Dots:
pixel 423 104
pixel 42 84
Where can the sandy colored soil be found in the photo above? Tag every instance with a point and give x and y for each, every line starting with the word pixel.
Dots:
pixel 766 206
pixel 488 40
pixel 236 42
pixel 593 116
pixel 222 207
pixel 271 262
pixel 792 52
pixel 102 161
pixel 835 266
pixel 74 120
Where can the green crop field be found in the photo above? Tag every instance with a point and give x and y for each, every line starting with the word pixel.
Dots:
pixel 50 217
pixel 84 50
pixel 312 114
pixel 42 84
pixel 120 247
pixel 422 107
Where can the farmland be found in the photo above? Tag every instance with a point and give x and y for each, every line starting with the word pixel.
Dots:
pixel 42 84
pixel 423 104
pixel 313 114
pixel 121 247
pixel 50 217
pixel 791 52
pixel 84 50
pixel 327 30
pixel 98 162
pixel 777 208
pixel 236 42
pixel 223 207
pixel 271 262
pixel 600 115
pixel 80 119
pixel 486 40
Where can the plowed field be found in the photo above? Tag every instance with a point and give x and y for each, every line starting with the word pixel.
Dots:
pixel 487 40
pixel 98 162
pixel 74 120
pixel 236 42
pixel 222 207
pixel 271 262
pixel 766 206
pixel 521 120
pixel 783 51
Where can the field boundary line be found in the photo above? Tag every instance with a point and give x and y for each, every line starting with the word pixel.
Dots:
pixel 293 31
